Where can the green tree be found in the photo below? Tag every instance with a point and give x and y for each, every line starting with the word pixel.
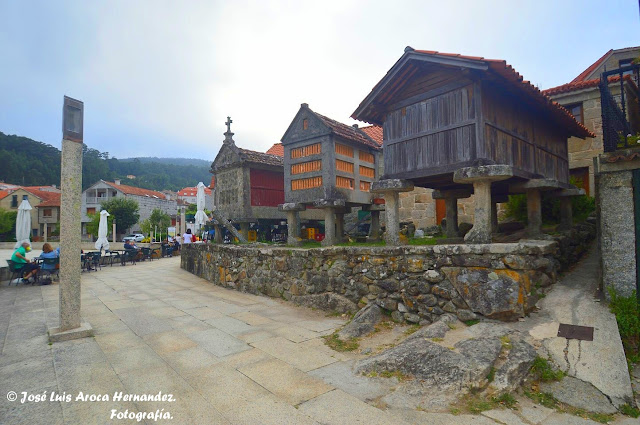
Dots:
pixel 157 220
pixel 94 224
pixel 7 224
pixel 125 212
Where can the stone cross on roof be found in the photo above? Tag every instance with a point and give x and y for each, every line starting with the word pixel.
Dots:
pixel 228 136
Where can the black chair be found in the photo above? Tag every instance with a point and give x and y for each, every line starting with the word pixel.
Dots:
pixel 111 256
pixel 129 255
pixel 95 261
pixel 146 253
pixel 55 262
pixel 16 272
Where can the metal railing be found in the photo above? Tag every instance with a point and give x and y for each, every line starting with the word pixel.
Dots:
pixel 616 126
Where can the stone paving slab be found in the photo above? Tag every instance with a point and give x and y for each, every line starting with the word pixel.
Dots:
pixel 218 342
pixel 285 381
pixel 305 359
pixel 269 410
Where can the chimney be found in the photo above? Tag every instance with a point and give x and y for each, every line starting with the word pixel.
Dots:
pixel 117 181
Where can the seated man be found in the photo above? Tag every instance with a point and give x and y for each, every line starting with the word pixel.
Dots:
pixel 19 257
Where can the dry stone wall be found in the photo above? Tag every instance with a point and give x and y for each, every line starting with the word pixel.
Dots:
pixel 413 283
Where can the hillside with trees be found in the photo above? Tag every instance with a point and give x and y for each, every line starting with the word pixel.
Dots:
pixel 30 163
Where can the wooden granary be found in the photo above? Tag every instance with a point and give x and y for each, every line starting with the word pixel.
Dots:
pixel 464 125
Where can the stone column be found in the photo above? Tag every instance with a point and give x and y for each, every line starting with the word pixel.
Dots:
pixel 183 221
pixel 339 227
pixel 390 189
pixel 534 213
pixel 293 228
pixel 451 208
pixel 374 229
pixel 46 228
pixel 244 229
pixel 217 237
pixel 566 214
pixel 481 177
pixel 329 227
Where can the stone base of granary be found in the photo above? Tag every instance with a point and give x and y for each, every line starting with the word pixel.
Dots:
pixel 500 281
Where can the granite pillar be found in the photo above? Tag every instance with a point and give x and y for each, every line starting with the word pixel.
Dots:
pixel 217 237
pixel 71 325
pixel 244 230
pixel 374 229
pixel 390 189
pixel 329 227
pixel 451 211
pixel 293 228
pixel 339 227
pixel 494 216
pixel 534 213
pixel 481 230
pixel 566 213
pixel 46 230
pixel 183 221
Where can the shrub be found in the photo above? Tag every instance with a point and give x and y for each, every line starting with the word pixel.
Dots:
pixel 627 312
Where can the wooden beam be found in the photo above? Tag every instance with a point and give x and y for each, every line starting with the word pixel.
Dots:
pixel 464 123
pixel 430 94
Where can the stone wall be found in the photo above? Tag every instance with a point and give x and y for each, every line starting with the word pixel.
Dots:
pixel 413 283
pixel 419 207
pixel 616 229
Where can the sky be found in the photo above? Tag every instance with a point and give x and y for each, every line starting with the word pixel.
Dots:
pixel 159 78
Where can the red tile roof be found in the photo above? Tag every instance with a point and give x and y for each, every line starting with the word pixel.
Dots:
pixel 509 75
pixel 276 149
pixel 584 74
pixel 579 85
pixel 193 191
pixel 4 193
pixel 375 132
pixel 347 132
pixel 49 196
pixel 213 182
pixel 131 190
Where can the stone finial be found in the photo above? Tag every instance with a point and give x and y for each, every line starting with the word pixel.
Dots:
pixel 354 125
pixel 408 49
pixel 304 105
pixel 228 135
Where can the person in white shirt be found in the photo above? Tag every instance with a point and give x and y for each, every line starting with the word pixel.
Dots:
pixel 187 237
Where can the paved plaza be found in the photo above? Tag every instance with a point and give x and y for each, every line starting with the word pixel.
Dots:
pixel 225 357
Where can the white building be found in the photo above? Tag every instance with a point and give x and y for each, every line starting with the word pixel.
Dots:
pixel 190 196
pixel 147 200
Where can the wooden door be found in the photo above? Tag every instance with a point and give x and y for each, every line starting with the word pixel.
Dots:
pixel 441 210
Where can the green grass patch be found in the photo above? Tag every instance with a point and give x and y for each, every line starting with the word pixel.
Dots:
pixel 492 374
pixel 472 322
pixel 627 312
pixel 337 344
pixel 373 243
pixel 436 339
pixel 506 342
pixel 310 244
pixel 544 372
pixel 478 405
pixel 412 329
pixel 401 377
pixel 625 409
pixel 505 400
pixel 424 241
pixel 545 399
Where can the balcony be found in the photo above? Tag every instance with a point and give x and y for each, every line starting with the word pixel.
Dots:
pixel 620 120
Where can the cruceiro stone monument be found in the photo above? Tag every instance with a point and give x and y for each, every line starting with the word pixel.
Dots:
pixel 71 325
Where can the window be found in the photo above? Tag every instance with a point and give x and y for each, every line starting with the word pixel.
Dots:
pixel 344 150
pixel 306 151
pixel 25 197
pixel 91 211
pixel 365 157
pixel 306 167
pixel 344 166
pixel 367 172
pixel 308 183
pixel 576 111
pixel 14 201
pixel 47 212
pixel 365 186
pixel 305 124
pixel 344 182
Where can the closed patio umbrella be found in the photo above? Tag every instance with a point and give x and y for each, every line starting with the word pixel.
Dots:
pixel 103 242
pixel 201 217
pixel 23 223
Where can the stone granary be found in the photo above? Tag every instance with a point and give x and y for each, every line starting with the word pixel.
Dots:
pixel 249 185
pixel 467 125
pixel 330 166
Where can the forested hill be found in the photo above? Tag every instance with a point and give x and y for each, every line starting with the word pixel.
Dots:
pixel 29 163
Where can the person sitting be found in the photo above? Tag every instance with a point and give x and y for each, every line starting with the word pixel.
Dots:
pixel 49 253
pixel 29 269
pixel 176 243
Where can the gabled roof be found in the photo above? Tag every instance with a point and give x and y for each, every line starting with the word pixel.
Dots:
pixel 347 132
pixel 396 78
pixel 587 72
pixel 260 158
pixel 374 132
pixel 192 191
pixel 4 193
pixel 131 190
pixel 277 149
pixel 580 85
pixel 48 195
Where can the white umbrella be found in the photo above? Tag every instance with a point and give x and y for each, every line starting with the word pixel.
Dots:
pixel 201 217
pixel 103 242
pixel 23 223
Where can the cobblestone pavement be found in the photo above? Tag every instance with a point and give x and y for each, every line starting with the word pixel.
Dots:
pixel 226 358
